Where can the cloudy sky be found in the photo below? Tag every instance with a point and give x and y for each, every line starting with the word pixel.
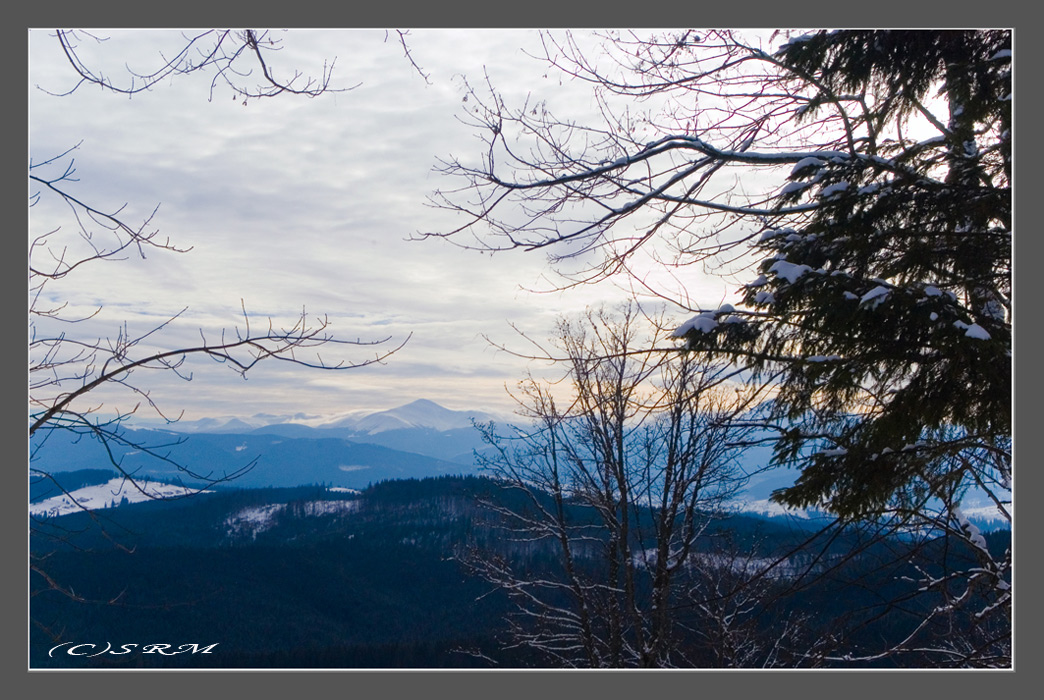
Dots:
pixel 294 202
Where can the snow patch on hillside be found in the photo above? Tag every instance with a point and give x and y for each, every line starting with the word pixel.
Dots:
pixel 249 522
pixel 989 516
pixel 986 516
pixel 770 508
pixel 108 495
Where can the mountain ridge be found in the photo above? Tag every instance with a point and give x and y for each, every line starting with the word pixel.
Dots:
pixel 418 439
pixel 419 413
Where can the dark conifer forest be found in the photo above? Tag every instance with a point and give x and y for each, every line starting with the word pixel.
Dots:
pixel 383 583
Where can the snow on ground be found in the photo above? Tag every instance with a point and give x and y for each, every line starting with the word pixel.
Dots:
pixel 766 507
pixel 113 493
pixel 989 515
pixel 773 567
pixel 316 508
pixel 107 495
pixel 984 515
pixel 254 520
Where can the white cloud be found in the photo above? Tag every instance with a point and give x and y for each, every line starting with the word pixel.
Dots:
pixel 292 202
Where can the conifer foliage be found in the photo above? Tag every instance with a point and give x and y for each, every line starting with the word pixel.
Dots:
pixel 887 306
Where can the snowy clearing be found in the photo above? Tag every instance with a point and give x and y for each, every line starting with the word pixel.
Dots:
pixel 107 495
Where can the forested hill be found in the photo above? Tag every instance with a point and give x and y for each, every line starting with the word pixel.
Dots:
pixel 320 577
pixel 304 576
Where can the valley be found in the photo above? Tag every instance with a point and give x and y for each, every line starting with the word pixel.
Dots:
pixel 333 550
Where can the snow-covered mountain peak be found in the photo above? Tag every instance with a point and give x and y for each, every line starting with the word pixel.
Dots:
pixel 422 413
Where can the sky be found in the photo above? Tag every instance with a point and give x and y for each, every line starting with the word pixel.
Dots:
pixel 292 203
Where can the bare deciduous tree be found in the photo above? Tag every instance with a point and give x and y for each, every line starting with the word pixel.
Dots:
pixel 621 468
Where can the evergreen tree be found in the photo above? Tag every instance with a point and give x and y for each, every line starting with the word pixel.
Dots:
pixel 886 308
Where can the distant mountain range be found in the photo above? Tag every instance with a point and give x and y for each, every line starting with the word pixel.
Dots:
pixel 422 413
pixel 243 460
pixel 417 440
